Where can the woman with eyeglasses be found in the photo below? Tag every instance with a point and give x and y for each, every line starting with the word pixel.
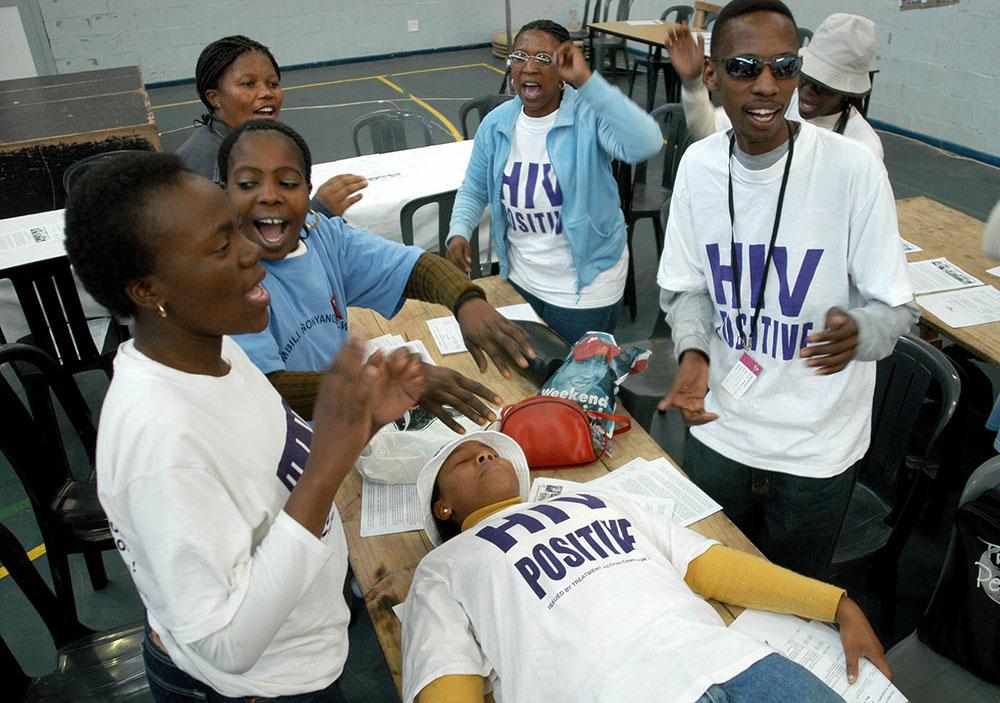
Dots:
pixel 833 79
pixel 238 79
pixel 542 162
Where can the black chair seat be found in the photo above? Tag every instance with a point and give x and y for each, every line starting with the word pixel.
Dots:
pixel 81 512
pixel 865 527
pixel 648 199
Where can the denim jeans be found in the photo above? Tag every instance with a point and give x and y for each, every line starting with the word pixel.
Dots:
pixel 168 684
pixel 794 520
pixel 573 323
pixel 773 679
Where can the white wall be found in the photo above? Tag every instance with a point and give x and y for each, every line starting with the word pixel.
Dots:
pixel 17 61
pixel 940 73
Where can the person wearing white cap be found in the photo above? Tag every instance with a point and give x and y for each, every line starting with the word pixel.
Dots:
pixel 834 79
pixel 991 247
pixel 587 597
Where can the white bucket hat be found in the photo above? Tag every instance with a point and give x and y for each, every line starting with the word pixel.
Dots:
pixel 841 53
pixel 991 234
pixel 503 445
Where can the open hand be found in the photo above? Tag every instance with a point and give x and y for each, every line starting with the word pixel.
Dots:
pixel 448 387
pixel 687 54
pixel 340 192
pixel 688 391
pixel 460 254
pixel 488 333
pixel 832 349
pixel 859 639
pixel 397 383
pixel 571 65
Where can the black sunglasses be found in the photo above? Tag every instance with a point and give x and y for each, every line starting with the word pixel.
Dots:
pixel 746 68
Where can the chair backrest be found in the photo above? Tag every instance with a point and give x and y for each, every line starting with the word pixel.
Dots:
pixel 705 14
pixel 72 174
pixel 983 478
pixel 678 14
pixel 805 36
pixel 483 106
pixel 30 435
pixel 676 138
pixel 47 294
pixel 445 202
pixel 902 386
pixel 623 10
pixel 387 130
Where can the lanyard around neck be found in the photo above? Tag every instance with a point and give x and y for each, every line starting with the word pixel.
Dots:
pixel 734 260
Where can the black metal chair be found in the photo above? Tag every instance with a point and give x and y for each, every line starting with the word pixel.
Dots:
pixel 445 202
pixel 654 62
pixel 805 36
pixel 387 130
pixel 892 487
pixel 93 667
pixel 72 174
pixel 648 199
pixel 610 46
pixel 69 515
pixel 47 293
pixel 483 106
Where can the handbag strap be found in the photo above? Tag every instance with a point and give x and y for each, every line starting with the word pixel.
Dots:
pixel 627 424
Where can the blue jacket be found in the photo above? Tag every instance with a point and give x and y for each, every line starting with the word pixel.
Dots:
pixel 594 125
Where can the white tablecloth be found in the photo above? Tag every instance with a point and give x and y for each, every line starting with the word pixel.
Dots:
pixel 398 177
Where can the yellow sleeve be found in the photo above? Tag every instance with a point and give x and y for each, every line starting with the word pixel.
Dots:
pixel 453 688
pixel 732 576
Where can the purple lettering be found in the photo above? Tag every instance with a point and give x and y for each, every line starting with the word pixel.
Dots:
pixel 579 547
pixel 585 533
pixel 619 529
pixel 603 536
pixel 551 512
pixel 788 346
pixel 571 557
pixel 530 573
pixel 548 562
pixel 722 273
pixel 806 330
pixel 791 301
pixel 591 501
pixel 551 185
pixel 497 534
pixel 529 189
pixel 512 182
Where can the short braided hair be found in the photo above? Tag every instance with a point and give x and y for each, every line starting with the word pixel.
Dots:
pixel 738 8
pixel 264 124
pixel 556 30
pixel 107 218
pixel 217 57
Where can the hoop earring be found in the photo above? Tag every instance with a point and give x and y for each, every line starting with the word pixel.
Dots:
pixel 306 226
pixel 162 310
pixel 562 85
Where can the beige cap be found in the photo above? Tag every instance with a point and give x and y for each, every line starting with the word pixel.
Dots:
pixel 991 234
pixel 841 53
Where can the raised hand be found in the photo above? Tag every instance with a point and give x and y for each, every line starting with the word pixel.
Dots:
pixel 397 383
pixel 687 54
pixel 488 333
pixel 832 349
pixel 571 65
pixel 688 391
pixel 340 192
pixel 448 387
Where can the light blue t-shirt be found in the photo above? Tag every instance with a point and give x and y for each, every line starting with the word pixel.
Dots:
pixel 342 267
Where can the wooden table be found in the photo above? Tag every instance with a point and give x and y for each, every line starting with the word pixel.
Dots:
pixel 649 34
pixel 942 231
pixel 384 565
pixel 50 122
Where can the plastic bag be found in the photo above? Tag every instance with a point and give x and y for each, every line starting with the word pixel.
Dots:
pixel 399 450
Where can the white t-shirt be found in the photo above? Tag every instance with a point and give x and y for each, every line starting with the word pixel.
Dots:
pixel 540 255
pixel 577 598
pixel 193 472
pixel 838 245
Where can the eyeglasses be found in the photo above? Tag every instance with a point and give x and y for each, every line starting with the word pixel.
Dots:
pixel 746 68
pixel 521 58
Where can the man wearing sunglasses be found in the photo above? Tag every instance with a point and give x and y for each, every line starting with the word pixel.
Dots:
pixel 783 278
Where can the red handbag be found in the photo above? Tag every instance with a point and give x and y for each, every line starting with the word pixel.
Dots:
pixel 555 432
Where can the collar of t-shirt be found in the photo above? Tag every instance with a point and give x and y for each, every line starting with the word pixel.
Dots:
pixel 298 251
pixel 484 512
pixel 538 125
pixel 758 162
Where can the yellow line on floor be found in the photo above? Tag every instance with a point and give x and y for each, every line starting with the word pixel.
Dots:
pixel 391 84
pixel 32 555
pixel 494 68
pixel 319 84
pixel 444 120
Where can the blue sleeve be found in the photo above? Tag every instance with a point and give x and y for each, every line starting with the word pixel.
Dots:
pixel 624 129
pixel 472 196
pixel 373 270
pixel 262 348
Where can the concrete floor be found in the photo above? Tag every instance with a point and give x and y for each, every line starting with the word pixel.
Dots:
pixel 322 103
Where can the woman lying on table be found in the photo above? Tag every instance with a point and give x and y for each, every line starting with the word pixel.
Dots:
pixel 220 498
pixel 588 597
pixel 238 79
pixel 542 162
pixel 318 267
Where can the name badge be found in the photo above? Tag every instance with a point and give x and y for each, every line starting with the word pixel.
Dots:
pixel 742 376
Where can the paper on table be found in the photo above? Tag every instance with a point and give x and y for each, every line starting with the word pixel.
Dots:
pixel 548 488
pixel 643 23
pixel 658 479
pixel 995 271
pixel 448 336
pixel 389 343
pixel 398 610
pixel 818 648
pixel 964 308
pixel 544 488
pixel 388 508
pixel 910 247
pixel 939 274
pixel 31 236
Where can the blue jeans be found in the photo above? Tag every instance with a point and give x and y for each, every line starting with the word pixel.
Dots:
pixel 168 684
pixel 572 323
pixel 773 679
pixel 794 520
